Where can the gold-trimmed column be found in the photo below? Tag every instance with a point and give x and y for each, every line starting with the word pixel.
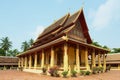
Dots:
pixel 52 57
pixel 99 60
pixel 65 57
pixel 43 57
pixel 104 62
pixel 19 65
pixel 77 59
pixel 22 62
pixel 119 66
pixel 86 59
pixel 25 61
pixel 93 59
pixel 35 61
pixel 30 61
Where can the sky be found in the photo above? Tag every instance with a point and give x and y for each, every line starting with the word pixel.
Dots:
pixel 21 20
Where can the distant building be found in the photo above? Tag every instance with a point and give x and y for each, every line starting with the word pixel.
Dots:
pixel 66 43
pixel 7 62
pixel 113 60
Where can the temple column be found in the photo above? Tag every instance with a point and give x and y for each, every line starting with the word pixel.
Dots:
pixel 26 62
pixel 77 59
pixel 104 62
pixel 43 56
pixel 52 57
pixel 99 60
pixel 22 62
pixel 30 61
pixel 35 61
pixel 86 59
pixel 119 66
pixel 93 59
pixel 65 57
pixel 19 62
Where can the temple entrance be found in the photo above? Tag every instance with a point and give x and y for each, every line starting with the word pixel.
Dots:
pixel 59 56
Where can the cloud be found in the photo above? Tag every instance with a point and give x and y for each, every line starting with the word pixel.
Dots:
pixel 106 13
pixel 38 31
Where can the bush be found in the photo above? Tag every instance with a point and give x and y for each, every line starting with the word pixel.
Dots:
pixel 64 73
pixel 94 70
pixel 73 72
pixel 54 71
pixel 101 69
pixel 82 72
pixel 87 73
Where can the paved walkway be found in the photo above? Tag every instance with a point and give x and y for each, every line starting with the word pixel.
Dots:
pixel 18 75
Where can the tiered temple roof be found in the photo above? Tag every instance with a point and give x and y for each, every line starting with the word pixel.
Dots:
pixel 53 33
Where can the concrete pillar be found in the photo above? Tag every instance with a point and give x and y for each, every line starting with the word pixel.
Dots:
pixel 30 61
pixel 77 59
pixel 65 57
pixel 35 61
pixel 86 59
pixel 52 57
pixel 104 62
pixel 43 57
pixel 99 60
pixel 93 59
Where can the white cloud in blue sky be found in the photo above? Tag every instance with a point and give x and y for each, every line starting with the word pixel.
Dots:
pixel 106 13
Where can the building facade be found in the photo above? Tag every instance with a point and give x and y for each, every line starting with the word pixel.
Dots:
pixel 113 60
pixel 65 43
pixel 7 62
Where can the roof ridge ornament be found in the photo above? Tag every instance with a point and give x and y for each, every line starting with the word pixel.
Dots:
pixel 65 37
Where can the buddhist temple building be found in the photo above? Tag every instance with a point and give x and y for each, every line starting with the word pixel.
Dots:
pixel 7 62
pixel 65 43
pixel 113 60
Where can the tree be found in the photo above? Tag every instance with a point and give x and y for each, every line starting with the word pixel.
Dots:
pixel 24 46
pixel 31 42
pixel 5 44
pixel 115 50
pixel 13 52
pixel 2 52
pixel 96 44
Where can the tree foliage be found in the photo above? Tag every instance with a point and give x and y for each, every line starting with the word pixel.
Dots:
pixel 5 44
pixel 13 52
pixel 2 52
pixel 115 50
pixel 99 45
pixel 26 45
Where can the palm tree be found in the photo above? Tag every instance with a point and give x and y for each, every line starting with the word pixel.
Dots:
pixel 2 52
pixel 24 46
pixel 31 42
pixel 5 44
pixel 13 52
